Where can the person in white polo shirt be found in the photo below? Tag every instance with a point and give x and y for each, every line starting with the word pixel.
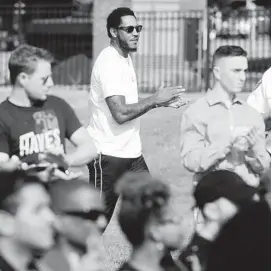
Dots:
pixel 115 108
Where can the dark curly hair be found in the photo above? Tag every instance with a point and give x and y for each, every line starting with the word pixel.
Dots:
pixel 114 19
pixel 143 198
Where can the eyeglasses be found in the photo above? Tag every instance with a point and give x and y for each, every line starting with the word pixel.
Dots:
pixel 130 29
pixel 92 215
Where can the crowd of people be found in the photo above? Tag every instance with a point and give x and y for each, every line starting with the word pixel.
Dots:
pixel 54 219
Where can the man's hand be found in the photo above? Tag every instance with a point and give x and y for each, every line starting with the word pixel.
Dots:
pixel 164 96
pixel 51 173
pixel 225 148
pixel 239 137
pixel 178 102
pixel 241 144
pixel 58 174
pixel 54 156
pixel 12 164
pixel 253 138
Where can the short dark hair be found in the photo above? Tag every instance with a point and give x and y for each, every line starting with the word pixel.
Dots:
pixel 228 51
pixel 11 183
pixel 114 19
pixel 24 59
pixel 143 198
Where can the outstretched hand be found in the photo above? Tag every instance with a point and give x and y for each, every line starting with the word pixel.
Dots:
pixel 165 95
pixel 178 102
pixel 66 176
pixel 12 164
pixel 54 156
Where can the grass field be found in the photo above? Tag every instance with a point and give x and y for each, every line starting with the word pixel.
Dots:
pixel 160 140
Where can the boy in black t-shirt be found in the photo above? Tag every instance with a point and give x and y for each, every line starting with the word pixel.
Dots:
pixel 34 125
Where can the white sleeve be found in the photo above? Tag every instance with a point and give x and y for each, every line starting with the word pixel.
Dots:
pixel 257 100
pixel 260 98
pixel 267 88
pixel 111 79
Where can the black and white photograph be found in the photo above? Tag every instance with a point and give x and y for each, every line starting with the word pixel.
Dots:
pixel 135 135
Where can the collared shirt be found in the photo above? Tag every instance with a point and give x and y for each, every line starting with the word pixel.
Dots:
pixel 210 122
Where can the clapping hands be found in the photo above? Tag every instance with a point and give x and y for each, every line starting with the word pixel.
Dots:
pixel 170 97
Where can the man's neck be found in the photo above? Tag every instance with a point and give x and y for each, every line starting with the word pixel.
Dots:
pixel 146 257
pixel 68 248
pixel 16 256
pixel 228 97
pixel 18 97
pixel 71 253
pixel 117 47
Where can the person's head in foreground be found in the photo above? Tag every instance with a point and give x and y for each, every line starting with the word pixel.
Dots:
pixel 148 220
pixel 123 29
pixel 27 223
pixel 30 72
pixel 244 242
pixel 80 212
pixel 229 68
pixel 220 195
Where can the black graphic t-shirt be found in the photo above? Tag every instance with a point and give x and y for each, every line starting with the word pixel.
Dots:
pixel 28 131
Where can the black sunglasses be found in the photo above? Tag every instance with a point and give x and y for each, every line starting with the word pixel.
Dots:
pixel 130 29
pixel 92 215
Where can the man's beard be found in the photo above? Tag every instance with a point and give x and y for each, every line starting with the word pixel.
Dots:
pixel 124 45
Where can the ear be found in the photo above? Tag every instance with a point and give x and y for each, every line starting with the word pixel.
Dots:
pixel 22 78
pixel 216 72
pixel 211 211
pixel 113 32
pixel 7 220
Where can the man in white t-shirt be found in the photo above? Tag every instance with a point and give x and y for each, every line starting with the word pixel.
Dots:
pixel 114 106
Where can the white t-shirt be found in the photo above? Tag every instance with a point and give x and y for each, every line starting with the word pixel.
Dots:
pixel 260 98
pixel 112 75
